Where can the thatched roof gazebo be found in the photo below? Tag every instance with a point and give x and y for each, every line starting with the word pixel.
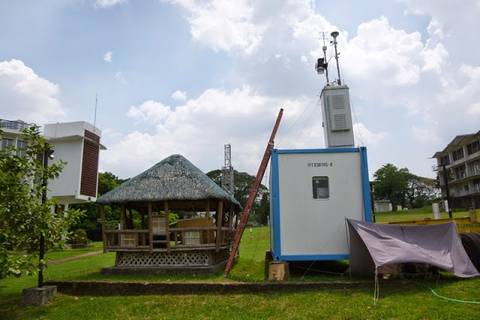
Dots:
pixel 147 240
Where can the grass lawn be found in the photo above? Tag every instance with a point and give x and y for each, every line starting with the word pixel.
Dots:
pixel 67 253
pixel 414 214
pixel 400 299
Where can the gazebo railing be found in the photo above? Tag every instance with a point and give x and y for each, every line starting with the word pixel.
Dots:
pixel 178 239
pixel 126 239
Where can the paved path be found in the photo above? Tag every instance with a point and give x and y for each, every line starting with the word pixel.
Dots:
pixel 80 256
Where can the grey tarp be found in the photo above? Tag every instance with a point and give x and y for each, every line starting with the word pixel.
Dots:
pixel 374 246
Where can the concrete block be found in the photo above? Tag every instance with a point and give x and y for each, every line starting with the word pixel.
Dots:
pixel 278 271
pixel 38 296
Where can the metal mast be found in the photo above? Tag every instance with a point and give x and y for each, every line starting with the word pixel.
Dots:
pixel 334 35
pixel 227 171
pixel 324 49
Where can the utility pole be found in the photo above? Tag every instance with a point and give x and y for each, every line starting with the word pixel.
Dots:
pixel 447 190
pixel 41 256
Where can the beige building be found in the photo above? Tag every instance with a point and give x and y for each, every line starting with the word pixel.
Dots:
pixel 461 158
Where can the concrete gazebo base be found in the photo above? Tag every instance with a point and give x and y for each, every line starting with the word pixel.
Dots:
pixel 174 262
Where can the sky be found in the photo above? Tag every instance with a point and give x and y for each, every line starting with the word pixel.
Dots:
pixel 188 76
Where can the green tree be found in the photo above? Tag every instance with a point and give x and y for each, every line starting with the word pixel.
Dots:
pixel 24 217
pixel 421 191
pixel 243 182
pixel 391 183
pixel 108 181
pixel 404 188
pixel 90 221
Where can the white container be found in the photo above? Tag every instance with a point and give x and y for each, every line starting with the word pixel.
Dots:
pixel 313 191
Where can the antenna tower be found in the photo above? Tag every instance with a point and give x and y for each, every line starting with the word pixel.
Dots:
pixel 227 171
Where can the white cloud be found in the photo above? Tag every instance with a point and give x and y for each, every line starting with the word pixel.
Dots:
pixel 107 57
pixel 150 111
pixel 107 3
pixel 273 46
pixel 425 135
pixel 453 23
pixel 179 95
pixel 25 95
pixel 366 137
pixel 223 25
pixel 398 58
pixel 474 108
pixel 199 127
pixel 120 77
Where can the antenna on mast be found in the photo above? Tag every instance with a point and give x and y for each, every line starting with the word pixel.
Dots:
pixel 324 49
pixel 334 35
pixel 322 65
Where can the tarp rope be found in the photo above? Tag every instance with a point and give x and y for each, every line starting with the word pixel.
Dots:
pixel 447 298
pixel 376 291
pixel 452 299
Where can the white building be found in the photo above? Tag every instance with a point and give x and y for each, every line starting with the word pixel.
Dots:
pixel 461 158
pixel 77 144
pixel 382 206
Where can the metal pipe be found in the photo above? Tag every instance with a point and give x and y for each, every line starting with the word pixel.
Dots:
pixel 447 190
pixel 324 48
pixel 334 34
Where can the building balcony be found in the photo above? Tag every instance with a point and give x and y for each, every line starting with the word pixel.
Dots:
pixel 13 125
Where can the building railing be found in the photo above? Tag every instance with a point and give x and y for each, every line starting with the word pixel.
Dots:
pixel 13 125
pixel 474 172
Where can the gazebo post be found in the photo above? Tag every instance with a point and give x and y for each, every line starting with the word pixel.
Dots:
pixel 150 234
pixel 219 223
pixel 236 221
pixel 102 216
pixel 123 217
pixel 230 218
pixel 207 208
pixel 167 227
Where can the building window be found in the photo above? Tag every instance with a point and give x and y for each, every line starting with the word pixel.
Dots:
pixel 7 142
pixel 476 185
pixel 320 188
pixel 460 172
pixel 475 168
pixel 21 146
pixel 457 154
pixel 473 147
